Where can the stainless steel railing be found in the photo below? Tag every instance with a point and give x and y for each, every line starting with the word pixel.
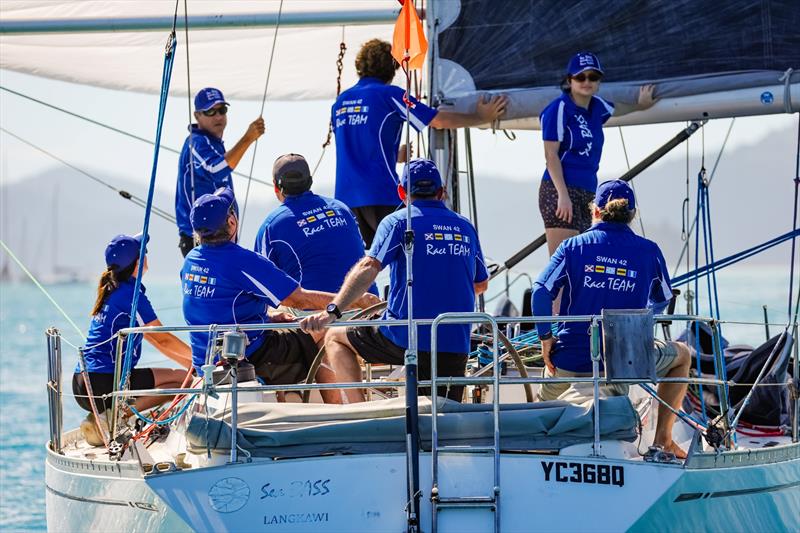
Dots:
pixel 55 391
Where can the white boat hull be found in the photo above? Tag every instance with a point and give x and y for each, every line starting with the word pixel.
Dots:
pixel 753 491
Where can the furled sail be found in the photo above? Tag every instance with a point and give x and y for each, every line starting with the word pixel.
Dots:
pixel 119 45
pixel 709 59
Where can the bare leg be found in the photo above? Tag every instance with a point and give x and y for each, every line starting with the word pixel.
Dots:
pixel 165 378
pixel 672 393
pixel 342 366
pixel 556 236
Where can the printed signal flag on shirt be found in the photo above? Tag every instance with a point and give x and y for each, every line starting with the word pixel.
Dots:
pixel 408 35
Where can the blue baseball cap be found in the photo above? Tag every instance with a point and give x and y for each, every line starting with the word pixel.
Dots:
pixel 207 98
pixel 123 250
pixel 614 190
pixel 425 177
pixel 210 211
pixel 583 61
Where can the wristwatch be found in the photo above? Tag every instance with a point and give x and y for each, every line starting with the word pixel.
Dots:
pixel 333 309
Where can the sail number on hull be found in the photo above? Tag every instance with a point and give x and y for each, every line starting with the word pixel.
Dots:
pixel 593 474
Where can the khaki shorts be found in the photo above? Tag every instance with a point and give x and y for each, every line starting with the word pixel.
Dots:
pixel 665 354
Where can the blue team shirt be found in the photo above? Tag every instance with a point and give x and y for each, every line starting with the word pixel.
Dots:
pixel 447 262
pixel 114 316
pixel 207 153
pixel 607 267
pixel 227 284
pixel 312 238
pixel 580 132
pixel 368 121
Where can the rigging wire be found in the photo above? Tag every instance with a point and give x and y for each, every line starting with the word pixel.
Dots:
pixel 189 96
pixel 794 227
pixel 261 114
pixel 708 183
pixel 35 281
pixel 166 76
pixel 632 182
pixel 339 68
pixel 111 128
pixel 124 194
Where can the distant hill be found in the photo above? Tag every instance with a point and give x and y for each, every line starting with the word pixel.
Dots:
pixel 59 222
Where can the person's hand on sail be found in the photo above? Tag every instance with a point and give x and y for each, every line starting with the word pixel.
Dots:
pixel 491 109
pixel 646 99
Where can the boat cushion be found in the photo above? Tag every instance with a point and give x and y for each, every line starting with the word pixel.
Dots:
pixel 301 430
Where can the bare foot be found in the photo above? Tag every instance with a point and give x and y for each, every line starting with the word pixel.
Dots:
pixel 675 449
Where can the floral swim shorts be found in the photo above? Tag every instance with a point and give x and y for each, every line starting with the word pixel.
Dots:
pixel 581 207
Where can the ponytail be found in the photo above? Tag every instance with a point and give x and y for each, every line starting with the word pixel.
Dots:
pixel 617 211
pixel 109 281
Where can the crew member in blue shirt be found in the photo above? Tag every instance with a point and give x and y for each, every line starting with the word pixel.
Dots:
pixel 204 165
pixel 449 271
pixel 312 238
pixel 572 131
pixel 368 120
pixel 111 313
pixel 607 267
pixel 224 283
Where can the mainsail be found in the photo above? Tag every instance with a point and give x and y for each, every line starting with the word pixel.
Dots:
pixel 708 59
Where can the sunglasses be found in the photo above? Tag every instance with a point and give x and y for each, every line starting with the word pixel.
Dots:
pixel 583 77
pixel 213 111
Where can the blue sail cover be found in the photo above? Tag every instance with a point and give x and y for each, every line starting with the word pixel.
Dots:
pixel 686 47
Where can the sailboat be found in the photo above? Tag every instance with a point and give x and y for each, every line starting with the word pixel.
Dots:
pixel 233 459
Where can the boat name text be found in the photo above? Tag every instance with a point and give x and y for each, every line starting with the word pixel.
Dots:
pixel 297 489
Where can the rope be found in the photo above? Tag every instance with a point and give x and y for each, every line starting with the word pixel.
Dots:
pixel 708 183
pixel 111 128
pixel 124 194
pixel 169 59
pixel 632 182
pixel 41 288
pixel 794 226
pixel 263 103
pixel 189 97
pixel 733 259
pixel 159 422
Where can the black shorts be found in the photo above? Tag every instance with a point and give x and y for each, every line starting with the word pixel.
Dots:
pixel 185 243
pixel 368 218
pixel 581 207
pixel 374 347
pixel 141 378
pixel 284 357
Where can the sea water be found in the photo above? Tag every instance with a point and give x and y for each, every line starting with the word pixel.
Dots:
pixel 25 314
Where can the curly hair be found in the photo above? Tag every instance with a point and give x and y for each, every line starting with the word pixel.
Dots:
pixel 617 211
pixel 375 60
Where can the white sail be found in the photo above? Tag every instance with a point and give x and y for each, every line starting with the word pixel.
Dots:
pixel 235 57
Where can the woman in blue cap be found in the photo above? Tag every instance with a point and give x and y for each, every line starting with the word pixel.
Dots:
pixel 111 313
pixel 572 131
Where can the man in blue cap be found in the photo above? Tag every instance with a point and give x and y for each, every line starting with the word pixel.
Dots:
pixel 607 267
pixel 448 269
pixel 204 165
pixel 224 283
pixel 368 120
pixel 312 238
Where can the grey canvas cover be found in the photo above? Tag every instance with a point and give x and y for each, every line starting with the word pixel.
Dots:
pixel 301 430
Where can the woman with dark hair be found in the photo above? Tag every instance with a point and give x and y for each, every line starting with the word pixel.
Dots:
pixel 572 131
pixel 111 313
